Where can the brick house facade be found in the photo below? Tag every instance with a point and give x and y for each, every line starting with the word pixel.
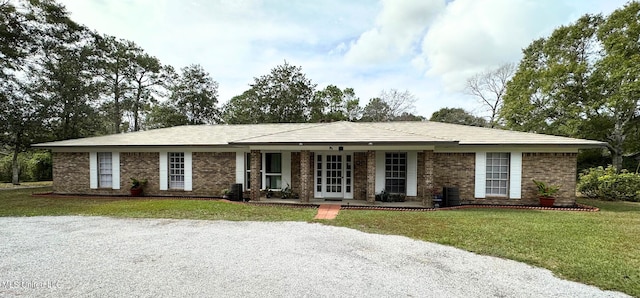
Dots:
pixel 214 172
pixel 316 168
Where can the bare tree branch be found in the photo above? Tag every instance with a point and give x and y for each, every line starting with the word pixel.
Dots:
pixel 489 87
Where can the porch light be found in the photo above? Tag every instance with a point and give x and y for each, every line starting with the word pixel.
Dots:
pixel 370 144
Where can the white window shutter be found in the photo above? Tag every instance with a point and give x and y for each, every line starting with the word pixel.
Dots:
pixel 188 171
pixel 380 176
pixel 481 175
pixel 93 170
pixel 115 170
pixel 164 171
pixel 240 168
pixel 515 176
pixel 412 173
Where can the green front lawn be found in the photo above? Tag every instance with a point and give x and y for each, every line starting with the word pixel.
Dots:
pixel 21 203
pixel 599 248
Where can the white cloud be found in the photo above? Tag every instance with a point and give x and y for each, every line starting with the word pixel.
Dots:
pixel 398 28
pixel 471 36
pixel 388 44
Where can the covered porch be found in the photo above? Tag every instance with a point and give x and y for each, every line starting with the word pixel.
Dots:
pixel 345 175
pixel 343 203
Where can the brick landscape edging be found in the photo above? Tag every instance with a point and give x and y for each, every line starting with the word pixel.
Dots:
pixel 578 207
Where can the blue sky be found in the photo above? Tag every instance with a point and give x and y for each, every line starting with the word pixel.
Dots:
pixel 428 47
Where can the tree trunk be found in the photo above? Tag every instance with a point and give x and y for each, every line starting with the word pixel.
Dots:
pixel 15 177
pixel 116 107
pixel 617 139
pixel 616 160
pixel 136 108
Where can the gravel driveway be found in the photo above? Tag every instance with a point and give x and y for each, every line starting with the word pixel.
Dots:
pixel 96 256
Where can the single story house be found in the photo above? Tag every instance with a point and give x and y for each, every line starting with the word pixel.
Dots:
pixel 338 160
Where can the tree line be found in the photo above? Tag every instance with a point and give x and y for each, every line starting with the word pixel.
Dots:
pixel 60 80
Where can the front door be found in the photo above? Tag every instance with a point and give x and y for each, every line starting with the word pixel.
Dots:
pixel 334 176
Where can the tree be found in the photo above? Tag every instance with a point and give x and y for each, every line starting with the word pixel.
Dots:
pixel 165 115
pixel 195 94
pixel 392 105
pixel 409 117
pixel 457 116
pixel 64 77
pixel 377 110
pixel 617 76
pixel 284 95
pixel 399 102
pixel 15 40
pixel 489 87
pixel 147 74
pixel 26 28
pixel 582 81
pixel 333 104
pixel 116 69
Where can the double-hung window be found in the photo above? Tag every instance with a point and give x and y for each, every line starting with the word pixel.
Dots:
pixel 176 170
pixel 271 167
pixel 396 172
pixel 497 174
pixel 105 170
pixel 273 170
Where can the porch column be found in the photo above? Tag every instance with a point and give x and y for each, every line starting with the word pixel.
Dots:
pixel 427 178
pixel 305 169
pixel 371 176
pixel 255 175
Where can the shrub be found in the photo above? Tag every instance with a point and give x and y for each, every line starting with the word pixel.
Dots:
pixel 588 184
pixel 607 184
pixel 34 166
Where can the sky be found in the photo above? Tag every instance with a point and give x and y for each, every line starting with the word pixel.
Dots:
pixel 428 47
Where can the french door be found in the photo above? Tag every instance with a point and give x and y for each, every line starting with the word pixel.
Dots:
pixel 334 176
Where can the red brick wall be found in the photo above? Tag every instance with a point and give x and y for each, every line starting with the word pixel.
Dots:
pixel 360 176
pixel 140 165
pixel 455 170
pixel 70 172
pixel 555 168
pixel 213 172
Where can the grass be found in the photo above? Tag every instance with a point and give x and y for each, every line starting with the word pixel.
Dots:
pixel 21 203
pixel 599 248
pixel 4 185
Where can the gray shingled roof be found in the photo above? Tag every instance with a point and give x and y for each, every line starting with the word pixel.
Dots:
pixel 336 132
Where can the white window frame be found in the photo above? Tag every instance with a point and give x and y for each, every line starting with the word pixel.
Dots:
pixel 267 175
pixel 496 178
pixel 94 170
pixel 285 169
pixel 105 169
pixel 176 170
pixel 404 173
pixel 515 175
pixel 319 176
